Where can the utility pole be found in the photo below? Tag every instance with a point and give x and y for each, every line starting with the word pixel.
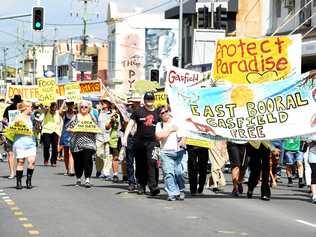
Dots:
pixel 4 70
pixel 34 64
pixel 180 31
pixel 84 37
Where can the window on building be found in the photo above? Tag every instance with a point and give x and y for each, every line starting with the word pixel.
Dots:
pixel 278 8
pixel 63 71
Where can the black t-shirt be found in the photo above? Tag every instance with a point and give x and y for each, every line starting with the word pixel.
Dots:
pixel 6 112
pixel 146 124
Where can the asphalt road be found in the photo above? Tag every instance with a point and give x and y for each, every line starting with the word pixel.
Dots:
pixel 56 208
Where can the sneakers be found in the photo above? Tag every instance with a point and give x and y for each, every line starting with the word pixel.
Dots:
pixel 88 184
pixel 290 181
pixel 46 163
pixel 200 190
pixel 115 179
pixel 171 198
pixel 301 183
pixel 314 199
pixel 131 188
pixel 78 183
pixel 181 196
pixel 249 194
pixel 141 190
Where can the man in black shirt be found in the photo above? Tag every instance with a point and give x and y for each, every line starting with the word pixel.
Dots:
pixel 146 119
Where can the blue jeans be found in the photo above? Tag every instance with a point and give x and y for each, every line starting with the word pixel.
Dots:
pixel 173 172
pixel 130 156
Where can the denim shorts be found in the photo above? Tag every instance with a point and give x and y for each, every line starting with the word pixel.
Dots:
pixel 291 157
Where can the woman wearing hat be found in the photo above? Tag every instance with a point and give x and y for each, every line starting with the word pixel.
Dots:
pixel 24 146
pixel 83 144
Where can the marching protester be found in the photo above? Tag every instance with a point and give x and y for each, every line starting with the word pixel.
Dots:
pixel 294 158
pixel 133 105
pixel 103 159
pixel 16 99
pixel 24 146
pixel 312 164
pixel 259 164
pixel 67 116
pixel 172 145
pixel 52 127
pixel 83 143
pixel 238 160
pixel 115 127
pixel 197 168
pixel 146 119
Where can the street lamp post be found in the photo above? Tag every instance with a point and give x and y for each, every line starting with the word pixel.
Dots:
pixel 180 31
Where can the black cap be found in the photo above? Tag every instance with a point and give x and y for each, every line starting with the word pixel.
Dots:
pixel 149 96
pixel 17 99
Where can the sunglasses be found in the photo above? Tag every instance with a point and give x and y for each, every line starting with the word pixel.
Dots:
pixel 164 112
pixel 83 107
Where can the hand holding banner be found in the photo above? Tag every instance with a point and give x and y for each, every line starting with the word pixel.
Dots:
pixel 86 126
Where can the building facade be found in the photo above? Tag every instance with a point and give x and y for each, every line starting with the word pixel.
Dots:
pixel 138 44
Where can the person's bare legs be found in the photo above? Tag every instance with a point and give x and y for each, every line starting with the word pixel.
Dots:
pixel 11 164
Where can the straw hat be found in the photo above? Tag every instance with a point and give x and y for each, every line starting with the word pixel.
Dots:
pixel 23 106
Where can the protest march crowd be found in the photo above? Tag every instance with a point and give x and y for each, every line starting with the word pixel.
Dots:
pixel 262 123
pixel 151 139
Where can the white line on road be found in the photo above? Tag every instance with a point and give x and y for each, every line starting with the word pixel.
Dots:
pixel 306 223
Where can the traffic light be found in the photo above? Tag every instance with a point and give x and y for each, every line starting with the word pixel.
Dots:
pixel 175 62
pixel 38 18
pixel 203 17
pixel 221 18
pixel 154 75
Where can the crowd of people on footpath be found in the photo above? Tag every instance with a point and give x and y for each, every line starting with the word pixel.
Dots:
pixel 150 140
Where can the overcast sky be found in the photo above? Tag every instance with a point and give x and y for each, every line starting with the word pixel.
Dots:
pixel 59 12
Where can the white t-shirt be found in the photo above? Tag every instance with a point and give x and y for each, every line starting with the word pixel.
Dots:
pixel 171 143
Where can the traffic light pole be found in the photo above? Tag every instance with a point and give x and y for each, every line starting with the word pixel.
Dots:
pixel 180 31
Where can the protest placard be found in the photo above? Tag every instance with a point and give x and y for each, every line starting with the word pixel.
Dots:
pixel 26 92
pixel 250 60
pixel 46 90
pixel 266 111
pixel 12 114
pixel 87 126
pixel 3 106
pixel 72 91
pixel 160 99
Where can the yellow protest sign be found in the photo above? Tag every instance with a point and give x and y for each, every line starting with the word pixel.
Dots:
pixel 251 60
pixel 26 92
pixel 17 128
pixel 46 90
pixel 199 143
pixel 3 106
pixel 87 126
pixel 160 99
pixel 72 91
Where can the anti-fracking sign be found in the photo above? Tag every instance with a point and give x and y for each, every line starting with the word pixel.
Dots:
pixel 264 111
pixel 249 60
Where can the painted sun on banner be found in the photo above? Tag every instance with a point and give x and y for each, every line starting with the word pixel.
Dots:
pixel 249 61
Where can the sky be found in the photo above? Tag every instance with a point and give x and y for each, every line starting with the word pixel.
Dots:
pixel 59 12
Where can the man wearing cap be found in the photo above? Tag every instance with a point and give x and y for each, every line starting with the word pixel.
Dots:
pixel 103 160
pixel 16 99
pixel 146 119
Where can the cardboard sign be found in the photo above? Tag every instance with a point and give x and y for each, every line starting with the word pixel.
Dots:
pixel 160 99
pixel 266 111
pixel 19 128
pixel 26 92
pixel 72 91
pixel 13 114
pixel 250 61
pixel 46 90
pixel 3 106
pixel 87 126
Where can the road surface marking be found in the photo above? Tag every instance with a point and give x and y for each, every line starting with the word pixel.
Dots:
pixel 1 190
pixel 306 223
pixel 28 225
pixel 5 197
pixel 23 219
pixel 11 203
pixel 8 200
pixel 15 208
pixel 3 194
pixel 18 213
pixel 33 232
